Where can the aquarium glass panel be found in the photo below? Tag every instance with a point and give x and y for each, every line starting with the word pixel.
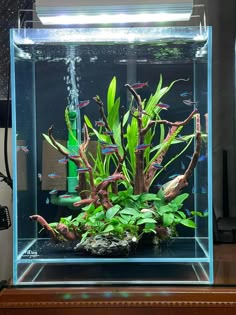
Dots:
pixel 112 156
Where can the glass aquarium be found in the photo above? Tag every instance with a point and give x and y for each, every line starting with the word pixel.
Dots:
pixel 112 156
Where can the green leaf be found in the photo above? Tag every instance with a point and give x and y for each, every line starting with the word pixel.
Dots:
pixel 59 145
pixel 148 197
pixel 164 209
pixel 188 223
pixel 130 211
pixel 182 214
pixel 108 229
pixel 88 122
pixel 111 93
pixel 180 199
pixel 146 220
pixel 112 212
pixel 168 219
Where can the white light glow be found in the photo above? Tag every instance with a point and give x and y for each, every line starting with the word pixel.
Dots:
pixel 113 18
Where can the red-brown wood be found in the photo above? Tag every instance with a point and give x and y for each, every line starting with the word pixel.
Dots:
pixel 119 300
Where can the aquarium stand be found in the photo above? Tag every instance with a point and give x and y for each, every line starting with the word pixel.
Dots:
pixel 118 300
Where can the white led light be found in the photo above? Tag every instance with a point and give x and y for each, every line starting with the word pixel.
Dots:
pixel 108 19
pixel 68 12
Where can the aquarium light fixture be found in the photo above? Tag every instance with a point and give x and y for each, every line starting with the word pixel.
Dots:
pixel 72 12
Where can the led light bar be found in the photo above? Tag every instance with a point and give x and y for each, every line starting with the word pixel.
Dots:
pixel 68 12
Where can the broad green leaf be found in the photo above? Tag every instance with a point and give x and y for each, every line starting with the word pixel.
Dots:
pixel 180 199
pixel 150 226
pixel 130 211
pixel 148 197
pixel 146 220
pixel 182 214
pixel 112 212
pixel 168 219
pixel 164 209
pixel 188 223
pixel 108 229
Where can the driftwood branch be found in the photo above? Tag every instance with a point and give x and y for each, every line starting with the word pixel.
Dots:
pixel 44 224
pixel 173 188
pixel 167 122
pixel 174 127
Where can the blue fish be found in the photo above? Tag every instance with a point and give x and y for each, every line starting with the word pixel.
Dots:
pixel 188 212
pixel 163 106
pixel 99 123
pixel 137 86
pixel 53 192
pixel 82 170
pixel 53 175
pixel 107 151
pixel 202 190
pixel 189 102
pixel 63 160
pixel 110 146
pixel 157 166
pixel 108 133
pixel 173 176
pixel 200 159
pixel 141 147
pixel 185 94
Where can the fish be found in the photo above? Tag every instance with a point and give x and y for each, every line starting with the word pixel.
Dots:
pixel 202 190
pixel 157 166
pixel 173 176
pixel 47 201
pixel 82 170
pixel 82 104
pixel 189 102
pixel 63 160
pixel 74 156
pixel 110 146
pixel 99 123
pixel 142 146
pixel 182 166
pixel 53 192
pixel 107 151
pixel 188 212
pixel 53 175
pixel 200 159
pixel 138 85
pixel 114 177
pixel 40 177
pixel 185 94
pixel 163 106
pixel 25 149
pixel 108 133
pixel 180 138
pixel 103 143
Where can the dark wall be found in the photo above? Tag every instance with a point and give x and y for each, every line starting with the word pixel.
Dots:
pixel 221 15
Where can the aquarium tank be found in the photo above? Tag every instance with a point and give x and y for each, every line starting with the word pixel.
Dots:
pixel 112 156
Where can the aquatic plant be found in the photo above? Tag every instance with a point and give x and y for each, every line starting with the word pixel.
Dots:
pixel 116 195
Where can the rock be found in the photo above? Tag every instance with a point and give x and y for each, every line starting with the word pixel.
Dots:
pixel 106 245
